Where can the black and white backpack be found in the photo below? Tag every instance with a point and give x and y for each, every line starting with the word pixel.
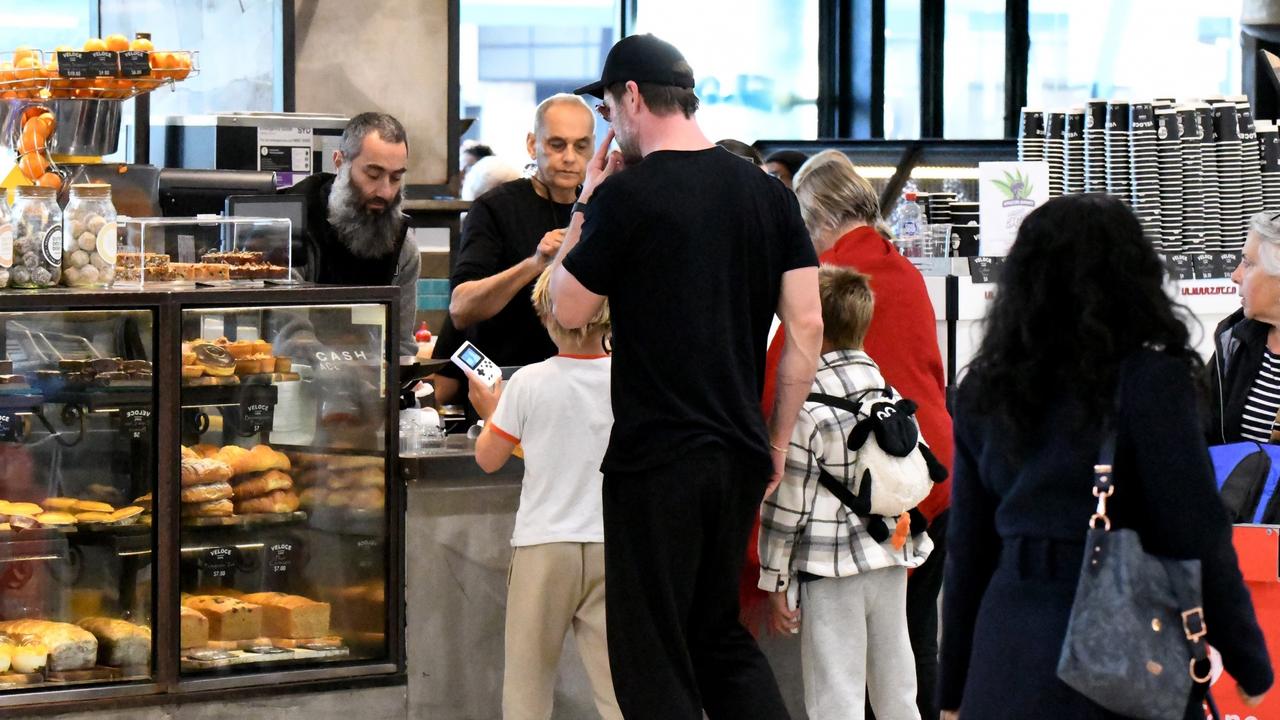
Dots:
pixel 894 470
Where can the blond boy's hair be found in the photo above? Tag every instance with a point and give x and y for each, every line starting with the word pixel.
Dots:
pixel 559 333
pixel 847 306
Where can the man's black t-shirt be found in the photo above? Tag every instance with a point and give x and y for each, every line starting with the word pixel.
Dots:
pixel 690 248
pixel 503 227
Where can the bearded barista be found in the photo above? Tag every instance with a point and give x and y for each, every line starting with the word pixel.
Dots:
pixel 356 232
pixel 513 232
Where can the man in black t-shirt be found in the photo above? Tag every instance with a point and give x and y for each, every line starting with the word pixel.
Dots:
pixel 512 233
pixel 695 250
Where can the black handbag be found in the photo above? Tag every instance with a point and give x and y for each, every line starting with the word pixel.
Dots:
pixel 1135 639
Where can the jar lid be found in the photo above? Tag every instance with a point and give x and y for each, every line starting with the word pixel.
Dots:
pixel 91 190
pixel 35 191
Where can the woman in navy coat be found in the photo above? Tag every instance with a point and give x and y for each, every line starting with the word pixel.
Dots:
pixel 1080 319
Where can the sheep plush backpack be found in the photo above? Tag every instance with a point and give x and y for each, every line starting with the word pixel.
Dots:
pixel 894 470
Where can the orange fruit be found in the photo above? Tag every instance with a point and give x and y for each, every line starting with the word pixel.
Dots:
pixel 46 121
pixel 26 69
pixel 172 61
pixel 33 165
pixel 117 42
pixel 94 45
pixel 31 139
pixel 51 180
pixel 32 112
pixel 8 95
pixel 51 70
pixel 25 51
pixel 6 72
pixel 141 44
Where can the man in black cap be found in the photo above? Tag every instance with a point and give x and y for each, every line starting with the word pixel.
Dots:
pixel 695 250
pixel 784 164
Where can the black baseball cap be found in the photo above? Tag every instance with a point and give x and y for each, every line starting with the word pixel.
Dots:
pixel 641 58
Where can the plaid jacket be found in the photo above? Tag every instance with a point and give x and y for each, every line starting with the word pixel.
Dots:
pixel 803 527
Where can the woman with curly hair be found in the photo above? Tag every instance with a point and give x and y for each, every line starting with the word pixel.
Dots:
pixel 1081 330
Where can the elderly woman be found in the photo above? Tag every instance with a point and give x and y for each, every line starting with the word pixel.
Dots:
pixel 1244 374
pixel 842 213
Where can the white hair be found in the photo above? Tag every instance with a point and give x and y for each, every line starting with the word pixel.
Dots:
pixel 487 174
pixel 1266 226
pixel 540 115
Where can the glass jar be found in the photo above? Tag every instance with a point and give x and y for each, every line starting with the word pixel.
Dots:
pixel 37 238
pixel 6 242
pixel 89 237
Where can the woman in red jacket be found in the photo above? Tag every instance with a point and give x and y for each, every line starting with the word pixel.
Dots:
pixel 842 213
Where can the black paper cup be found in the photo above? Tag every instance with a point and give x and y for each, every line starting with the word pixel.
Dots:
pixel 1031 125
pixel 1225 124
pixel 1118 116
pixel 1141 117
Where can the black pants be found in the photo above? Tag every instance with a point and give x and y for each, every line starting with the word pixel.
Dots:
pixel 675 536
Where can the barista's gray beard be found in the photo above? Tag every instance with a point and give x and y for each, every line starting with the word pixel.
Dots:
pixel 366 234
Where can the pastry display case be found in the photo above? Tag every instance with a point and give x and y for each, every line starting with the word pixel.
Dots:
pixel 198 490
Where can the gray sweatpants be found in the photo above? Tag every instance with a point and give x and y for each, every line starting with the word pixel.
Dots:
pixel 853 639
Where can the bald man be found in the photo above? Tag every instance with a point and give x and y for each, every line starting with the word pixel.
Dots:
pixel 512 233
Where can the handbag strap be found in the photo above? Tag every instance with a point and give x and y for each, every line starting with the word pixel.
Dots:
pixel 1189 606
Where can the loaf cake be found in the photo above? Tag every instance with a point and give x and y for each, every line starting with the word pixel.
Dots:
pixel 70 647
pixel 229 618
pixel 193 628
pixel 120 643
pixel 291 616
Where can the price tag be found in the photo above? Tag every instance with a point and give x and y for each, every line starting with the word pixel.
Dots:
pixel 983 270
pixel 257 411
pixel 280 557
pixel 218 562
pixel 135 63
pixel 1205 266
pixel 1227 263
pixel 1180 268
pixel 369 554
pixel 10 427
pixel 79 64
pixel 136 423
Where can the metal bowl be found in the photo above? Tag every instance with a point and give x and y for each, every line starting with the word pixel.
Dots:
pixel 83 127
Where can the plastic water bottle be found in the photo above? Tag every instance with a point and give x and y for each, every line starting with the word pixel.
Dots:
pixel 911 229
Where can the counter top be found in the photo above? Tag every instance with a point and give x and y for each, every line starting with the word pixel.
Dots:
pixel 455 464
pixel 425 205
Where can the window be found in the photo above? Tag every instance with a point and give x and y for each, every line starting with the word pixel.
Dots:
pixel 755 62
pixel 973 69
pixel 514 54
pixel 902 69
pixel 47 24
pixel 1137 49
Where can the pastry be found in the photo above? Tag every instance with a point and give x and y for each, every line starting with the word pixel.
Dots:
pixel 311 497
pixel 204 450
pixel 193 628
pixel 188 358
pixel 229 618
pixel 214 508
pixel 127 515
pixel 238 257
pixel 284 365
pixel 104 365
pixel 56 519
pixel 291 616
pixel 254 365
pixel 136 260
pixel 204 470
pixel 120 643
pixel 6 653
pixel 22 522
pixel 135 366
pixel 93 517
pixel 24 508
pixel 278 501
pixel 215 360
pixel 260 459
pixel 5 527
pixel 144 502
pixel 258 484
pixel 69 647
pixel 191 371
pixel 29 656
pixel 58 503
pixel 188 453
pixel 91 506
pixel 240 349
pixel 206 493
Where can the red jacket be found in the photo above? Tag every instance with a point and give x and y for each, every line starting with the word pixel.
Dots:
pixel 902 339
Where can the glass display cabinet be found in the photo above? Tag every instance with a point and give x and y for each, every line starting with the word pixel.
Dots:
pixel 197 491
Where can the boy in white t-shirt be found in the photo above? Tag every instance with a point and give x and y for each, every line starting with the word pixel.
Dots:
pixel 558 412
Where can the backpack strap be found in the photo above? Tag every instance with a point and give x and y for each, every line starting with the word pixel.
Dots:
pixel 852 403
pixel 843 493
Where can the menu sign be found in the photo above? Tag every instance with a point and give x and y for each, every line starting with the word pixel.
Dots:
pixel 1007 193
pixel 135 63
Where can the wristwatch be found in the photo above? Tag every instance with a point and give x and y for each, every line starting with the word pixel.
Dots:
pixel 579 206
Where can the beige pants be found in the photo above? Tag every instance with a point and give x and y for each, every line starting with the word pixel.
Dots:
pixel 552 586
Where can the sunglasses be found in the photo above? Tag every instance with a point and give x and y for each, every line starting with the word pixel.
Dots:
pixel 604 111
